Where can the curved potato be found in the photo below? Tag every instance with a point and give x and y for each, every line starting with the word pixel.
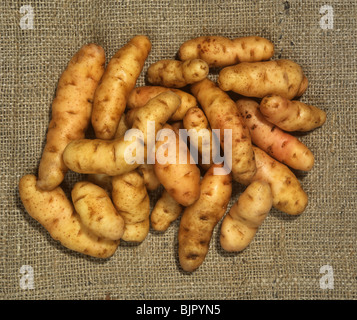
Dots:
pixel 220 51
pixel 71 111
pixel 56 214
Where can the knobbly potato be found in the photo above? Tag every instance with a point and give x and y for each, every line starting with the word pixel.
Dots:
pixel 244 218
pixel 141 95
pixel 291 115
pixel 97 211
pixel 56 214
pixel 259 79
pixel 220 51
pixel 180 177
pixel 118 81
pixel 132 201
pixel 177 74
pixel 196 120
pixel 71 111
pixel 288 195
pixel 165 211
pixel 97 156
pixel 280 145
pixel 199 219
pixel 222 114
pixel 150 179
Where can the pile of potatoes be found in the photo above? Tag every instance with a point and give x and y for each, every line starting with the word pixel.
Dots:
pixel 112 203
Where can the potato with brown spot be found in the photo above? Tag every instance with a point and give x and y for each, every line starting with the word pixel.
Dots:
pixel 165 211
pixel 118 81
pixel 132 202
pixel 259 79
pixel 288 195
pixel 180 175
pixel 96 211
pixel 220 51
pixel 71 111
pixel 199 219
pixel 291 115
pixel 282 146
pixel 241 223
pixel 56 214
pixel 177 74
pixel 222 114
pixel 141 95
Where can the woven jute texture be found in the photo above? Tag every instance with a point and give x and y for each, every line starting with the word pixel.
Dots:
pixel 290 257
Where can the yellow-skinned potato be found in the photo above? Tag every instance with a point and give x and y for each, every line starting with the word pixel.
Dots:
pixel 132 201
pixel 71 111
pixel 199 219
pixel 56 214
pixel 150 179
pixel 288 195
pixel 220 51
pixel 102 180
pixel 122 127
pixel 222 114
pixel 291 115
pixel 181 180
pixel 244 218
pixel 177 74
pixel 97 156
pixel 259 79
pixel 166 210
pixel 97 211
pixel 118 81
pixel 279 144
pixel 195 119
pixel 141 95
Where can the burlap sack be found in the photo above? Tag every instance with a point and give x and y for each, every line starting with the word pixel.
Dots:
pixel 312 256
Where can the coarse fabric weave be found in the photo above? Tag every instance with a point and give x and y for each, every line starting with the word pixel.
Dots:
pixel 290 257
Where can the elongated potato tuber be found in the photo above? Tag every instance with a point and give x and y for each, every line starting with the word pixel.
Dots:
pixel 117 82
pixel 180 176
pixel 222 114
pixel 280 145
pixel 132 201
pixel 220 51
pixel 291 115
pixel 177 74
pixel 259 79
pixel 288 195
pixel 71 111
pixel 141 95
pixel 56 214
pixel 244 218
pixel 199 219
pixel 97 211
pixel 166 210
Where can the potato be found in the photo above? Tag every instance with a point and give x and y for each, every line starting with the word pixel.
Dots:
pixel 195 120
pixel 71 110
pixel 150 179
pixel 122 127
pixel 222 114
pixel 177 74
pixel 199 219
pixel 118 81
pixel 97 156
pixel 259 79
pixel 181 179
pixel 165 211
pixel 158 110
pixel 102 180
pixel 141 95
pixel 220 51
pixel 132 201
pixel 97 211
pixel 244 218
pixel 280 145
pixel 291 115
pixel 56 214
pixel 288 195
